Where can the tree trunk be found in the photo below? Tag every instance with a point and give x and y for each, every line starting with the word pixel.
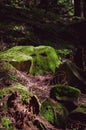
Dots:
pixel 80 8
pixel 84 7
pixel 77 8
pixel 78 58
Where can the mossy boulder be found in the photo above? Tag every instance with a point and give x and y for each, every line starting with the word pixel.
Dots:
pixel 15 87
pixel 18 102
pixel 65 94
pixel 69 73
pixel 34 60
pixel 54 112
pixel 7 92
pixel 24 96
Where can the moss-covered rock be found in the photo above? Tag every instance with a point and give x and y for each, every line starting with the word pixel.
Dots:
pixel 18 57
pixel 54 112
pixel 17 102
pixel 69 73
pixel 15 87
pixel 35 60
pixel 21 95
pixel 66 94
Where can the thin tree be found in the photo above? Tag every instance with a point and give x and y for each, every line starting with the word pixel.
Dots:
pixel 80 8
pixel 77 8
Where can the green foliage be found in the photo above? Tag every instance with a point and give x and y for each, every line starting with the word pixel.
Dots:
pixel 63 52
pixel 7 123
pixel 66 6
pixel 65 1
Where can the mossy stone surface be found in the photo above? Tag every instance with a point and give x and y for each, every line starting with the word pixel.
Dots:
pixel 15 87
pixel 34 60
pixel 54 112
pixel 25 96
pixel 65 93
pixel 18 88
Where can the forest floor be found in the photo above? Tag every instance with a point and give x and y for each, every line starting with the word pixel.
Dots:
pixel 40 86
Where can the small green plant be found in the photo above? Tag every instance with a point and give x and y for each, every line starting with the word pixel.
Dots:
pixel 63 52
pixel 13 77
pixel 7 123
pixel 25 97
pixel 4 92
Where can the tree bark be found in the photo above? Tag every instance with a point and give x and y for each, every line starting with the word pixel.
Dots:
pixel 84 7
pixel 77 8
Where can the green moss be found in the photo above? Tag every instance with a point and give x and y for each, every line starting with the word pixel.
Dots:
pixel 18 53
pixel 48 112
pixel 25 97
pixel 7 123
pixel 40 59
pixel 64 92
pixel 54 112
pixel 45 60
pixel 25 94
pixel 4 66
pixel 4 92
